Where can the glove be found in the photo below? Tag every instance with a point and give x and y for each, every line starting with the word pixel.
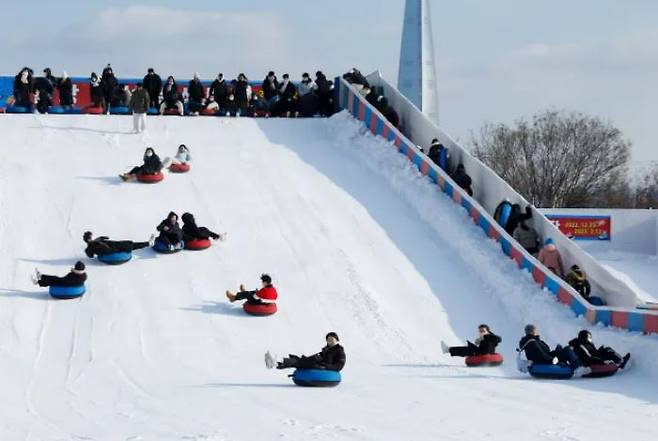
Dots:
pixel 555 360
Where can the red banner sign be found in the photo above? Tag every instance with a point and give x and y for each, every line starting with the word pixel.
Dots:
pixel 583 227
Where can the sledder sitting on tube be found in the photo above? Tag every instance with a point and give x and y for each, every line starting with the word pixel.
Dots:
pixel 267 293
pixel 103 245
pixel 331 358
pixel 589 355
pixel 538 352
pixel 485 344
pixel 75 277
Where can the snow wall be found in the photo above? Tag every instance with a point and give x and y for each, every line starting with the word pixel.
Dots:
pixel 489 191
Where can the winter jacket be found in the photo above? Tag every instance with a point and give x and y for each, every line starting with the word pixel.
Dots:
pixel 435 153
pixel 218 92
pixel 100 246
pixel 324 85
pixel 270 88
pixel 306 87
pixel 267 294
pixel 173 233
pixel 462 179
pixel 183 157
pixel 121 97
pixel 96 90
pixel 110 84
pixel 139 102
pixel 65 87
pixel 170 94
pixel 392 116
pixel 23 91
pixel 516 217
pixel 550 257
pixel 191 231
pixel 153 85
pixel 44 85
pixel 152 164
pixel 356 77
pixel 488 343
pixel 241 97
pixel 71 279
pixel 195 91
pixel 331 358
pixel 577 279
pixel 586 352
pixel 287 91
pixel 536 350
pixel 527 237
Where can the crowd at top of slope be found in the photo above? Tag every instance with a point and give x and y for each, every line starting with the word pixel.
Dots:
pixel 220 97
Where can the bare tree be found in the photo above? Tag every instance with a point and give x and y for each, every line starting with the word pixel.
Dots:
pixel 558 159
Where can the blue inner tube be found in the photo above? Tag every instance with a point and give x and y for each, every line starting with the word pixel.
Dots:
pixel 17 109
pixel 119 110
pixel 66 292
pixel 551 371
pixel 504 215
pixel 162 247
pixel 115 258
pixel 153 111
pixel 316 378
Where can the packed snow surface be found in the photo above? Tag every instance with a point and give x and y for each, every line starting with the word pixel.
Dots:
pixel 357 242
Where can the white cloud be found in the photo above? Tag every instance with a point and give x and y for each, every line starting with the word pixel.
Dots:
pixel 173 41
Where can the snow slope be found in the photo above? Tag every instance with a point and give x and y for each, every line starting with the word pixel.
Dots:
pixel 357 242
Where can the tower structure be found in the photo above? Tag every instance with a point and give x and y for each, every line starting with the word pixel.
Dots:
pixel 417 73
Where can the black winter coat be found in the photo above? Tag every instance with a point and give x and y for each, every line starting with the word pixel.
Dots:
pixel 331 357
pixel 195 91
pixel 65 87
pixel 71 279
pixel 97 93
pixel 218 92
pixel 191 231
pixel 110 84
pixel 270 89
pixel 44 85
pixel 536 350
pixel 172 231
pixel 463 180
pixel 288 94
pixel 324 86
pixel 586 352
pixel 100 246
pixel 170 94
pixel 22 92
pixel 241 93
pixel 152 164
pixel 516 217
pixel 153 85
pixel 488 344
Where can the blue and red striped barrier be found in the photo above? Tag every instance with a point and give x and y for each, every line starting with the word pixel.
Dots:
pixel 636 320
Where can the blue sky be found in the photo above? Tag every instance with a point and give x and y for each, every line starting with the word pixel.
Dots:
pixel 497 61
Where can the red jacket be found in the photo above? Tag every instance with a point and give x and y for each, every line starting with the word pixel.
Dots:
pixel 267 294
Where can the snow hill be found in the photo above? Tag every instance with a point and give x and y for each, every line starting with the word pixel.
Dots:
pixel 357 242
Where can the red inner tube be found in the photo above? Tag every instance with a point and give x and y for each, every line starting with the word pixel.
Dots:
pixel 603 370
pixel 179 168
pixel 484 360
pixel 264 309
pixel 150 178
pixel 197 244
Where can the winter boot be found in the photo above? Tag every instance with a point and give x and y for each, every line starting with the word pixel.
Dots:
pixel 230 296
pixel 242 288
pixel 36 276
pixel 152 240
pixel 444 347
pixel 624 361
pixel 180 245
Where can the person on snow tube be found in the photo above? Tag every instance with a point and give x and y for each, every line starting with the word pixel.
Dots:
pixel 103 245
pixel 331 358
pixel 152 165
pixel 182 156
pixel 538 352
pixel 170 233
pixel 588 355
pixel 267 294
pixel 485 343
pixel 578 281
pixel 75 277
pixel 193 232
